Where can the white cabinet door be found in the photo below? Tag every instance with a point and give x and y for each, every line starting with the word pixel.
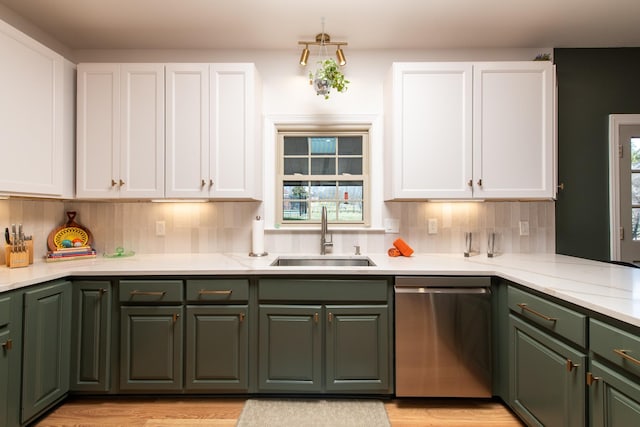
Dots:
pixel 212 148
pixel 120 152
pixel 98 130
pixel 187 127
pixel 31 113
pixel 141 172
pixel 429 131
pixel 513 130
pixel 233 162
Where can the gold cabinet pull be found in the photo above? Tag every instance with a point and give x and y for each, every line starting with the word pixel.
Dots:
pixel 148 293
pixel 210 183
pixel 202 183
pixel 175 317
pixel 537 313
pixel 470 183
pixel 241 316
pixel 330 317
pixel 213 292
pixel 102 291
pixel 316 317
pixel 113 182
pixel 571 365
pixel 624 355
pixel 7 345
pixel 121 183
pixel 592 378
pixel 480 182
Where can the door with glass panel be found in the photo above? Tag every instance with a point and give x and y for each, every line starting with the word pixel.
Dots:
pixel 630 193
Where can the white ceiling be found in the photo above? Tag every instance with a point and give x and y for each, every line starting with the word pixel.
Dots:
pixel 364 24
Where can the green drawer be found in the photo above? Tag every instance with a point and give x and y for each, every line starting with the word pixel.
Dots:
pixel 549 315
pixel 218 290
pixel 316 290
pixel 5 311
pixel 144 291
pixel 617 346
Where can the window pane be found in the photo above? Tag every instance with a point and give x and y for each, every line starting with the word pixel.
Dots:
pixel 323 190
pixel 635 188
pixel 323 145
pixel 323 166
pixel 350 211
pixel 296 146
pixel 350 146
pixel 295 190
pixel 635 223
pixel 316 210
pixel 350 190
pixel 350 166
pixel 294 210
pixel 292 166
pixel 635 153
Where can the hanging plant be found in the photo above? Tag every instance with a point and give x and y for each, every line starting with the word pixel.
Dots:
pixel 326 77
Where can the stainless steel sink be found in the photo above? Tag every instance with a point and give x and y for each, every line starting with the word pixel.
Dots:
pixel 322 261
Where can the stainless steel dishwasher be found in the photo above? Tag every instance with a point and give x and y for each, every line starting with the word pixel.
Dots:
pixel 443 336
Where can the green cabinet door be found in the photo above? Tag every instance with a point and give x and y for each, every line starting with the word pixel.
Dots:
pixel 47 339
pixel 547 378
pixel 217 349
pixel 357 348
pixel 151 348
pixel 91 344
pixel 614 398
pixel 6 353
pixel 290 348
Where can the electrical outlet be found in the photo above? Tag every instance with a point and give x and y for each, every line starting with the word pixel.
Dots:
pixel 160 228
pixel 524 228
pixel 391 225
pixel 432 226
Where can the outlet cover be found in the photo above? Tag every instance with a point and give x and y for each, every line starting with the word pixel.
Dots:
pixel 524 228
pixel 432 226
pixel 391 225
pixel 160 228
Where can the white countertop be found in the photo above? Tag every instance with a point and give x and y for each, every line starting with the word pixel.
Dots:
pixel 608 289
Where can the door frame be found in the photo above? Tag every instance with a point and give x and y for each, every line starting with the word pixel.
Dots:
pixel 615 121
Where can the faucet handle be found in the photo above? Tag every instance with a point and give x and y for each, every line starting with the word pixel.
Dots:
pixel 357 249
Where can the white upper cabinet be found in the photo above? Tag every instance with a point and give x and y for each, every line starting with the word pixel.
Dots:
pixel 120 136
pixel 469 130
pixel 513 134
pixel 428 151
pixel 213 148
pixel 31 116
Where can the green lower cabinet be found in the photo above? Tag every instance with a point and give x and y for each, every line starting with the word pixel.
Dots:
pixel 151 348
pixel 547 378
pixel 217 349
pixel 10 358
pixel 46 347
pixel 290 348
pixel 614 398
pixel 357 349
pixel 91 336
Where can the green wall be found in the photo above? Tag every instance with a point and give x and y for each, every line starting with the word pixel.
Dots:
pixel 592 83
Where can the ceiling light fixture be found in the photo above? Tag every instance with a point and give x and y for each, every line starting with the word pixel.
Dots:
pixel 323 39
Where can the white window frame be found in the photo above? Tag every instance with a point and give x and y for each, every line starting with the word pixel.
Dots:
pixel 323 130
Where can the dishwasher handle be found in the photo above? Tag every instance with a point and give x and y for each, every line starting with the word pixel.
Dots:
pixel 441 290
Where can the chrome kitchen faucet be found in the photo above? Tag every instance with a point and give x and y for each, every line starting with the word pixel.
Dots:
pixel 323 233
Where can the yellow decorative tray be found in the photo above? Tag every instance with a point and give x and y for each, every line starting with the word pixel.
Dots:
pixel 70 237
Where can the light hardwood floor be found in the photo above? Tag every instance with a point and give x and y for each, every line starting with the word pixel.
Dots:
pixel 186 412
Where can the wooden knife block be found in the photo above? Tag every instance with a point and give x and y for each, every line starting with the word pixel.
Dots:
pixel 19 259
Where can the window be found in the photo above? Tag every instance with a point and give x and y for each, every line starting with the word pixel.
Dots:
pixel 635 188
pixel 317 169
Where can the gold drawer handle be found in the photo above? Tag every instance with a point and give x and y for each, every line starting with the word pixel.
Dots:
pixel 571 365
pixel 532 311
pixel 207 292
pixel 241 316
pixel 592 378
pixel 7 345
pixel 624 355
pixel 148 293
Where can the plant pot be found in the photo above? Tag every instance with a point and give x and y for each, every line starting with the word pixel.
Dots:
pixel 322 86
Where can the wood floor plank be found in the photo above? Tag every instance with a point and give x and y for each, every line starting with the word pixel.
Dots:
pixel 223 412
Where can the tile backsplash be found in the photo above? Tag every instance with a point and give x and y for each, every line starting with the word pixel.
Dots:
pixel 226 226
